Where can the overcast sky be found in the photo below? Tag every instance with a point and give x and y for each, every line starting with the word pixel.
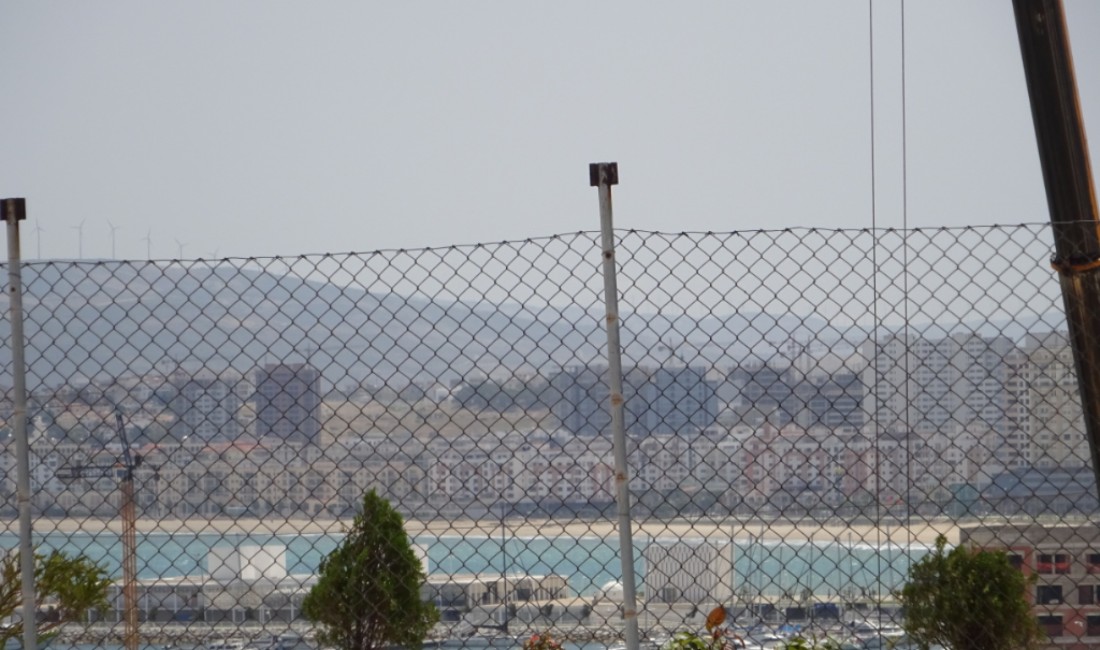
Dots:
pixel 260 128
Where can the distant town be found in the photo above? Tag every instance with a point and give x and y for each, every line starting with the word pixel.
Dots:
pixel 965 424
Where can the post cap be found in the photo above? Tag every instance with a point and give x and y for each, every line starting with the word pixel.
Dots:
pixel 610 172
pixel 13 209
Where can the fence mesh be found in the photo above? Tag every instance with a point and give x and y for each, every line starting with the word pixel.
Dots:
pixel 806 411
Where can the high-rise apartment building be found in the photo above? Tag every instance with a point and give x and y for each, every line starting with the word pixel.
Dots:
pixel 205 406
pixel 675 399
pixel 288 402
pixel 783 396
pixel 945 385
pixel 1055 421
pixel 580 399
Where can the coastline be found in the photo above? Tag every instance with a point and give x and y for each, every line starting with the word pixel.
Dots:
pixel 924 532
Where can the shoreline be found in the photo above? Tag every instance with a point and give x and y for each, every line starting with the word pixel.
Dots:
pixel 923 533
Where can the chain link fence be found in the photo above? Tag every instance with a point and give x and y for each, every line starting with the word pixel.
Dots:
pixel 806 411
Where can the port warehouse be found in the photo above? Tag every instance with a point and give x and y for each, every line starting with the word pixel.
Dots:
pixel 530 599
pixel 684 579
pixel 250 582
pixel 265 600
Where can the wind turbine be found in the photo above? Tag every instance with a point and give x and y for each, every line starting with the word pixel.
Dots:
pixel 148 239
pixel 113 228
pixel 38 236
pixel 79 239
pixel 180 245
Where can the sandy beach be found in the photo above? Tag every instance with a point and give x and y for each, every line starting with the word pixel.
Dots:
pixel 923 533
pixel 780 530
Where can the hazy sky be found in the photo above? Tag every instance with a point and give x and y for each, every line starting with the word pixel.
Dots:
pixel 260 128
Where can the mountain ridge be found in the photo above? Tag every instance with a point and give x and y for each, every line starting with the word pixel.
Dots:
pixel 114 318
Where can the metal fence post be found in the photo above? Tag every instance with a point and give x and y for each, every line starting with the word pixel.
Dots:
pixel 604 175
pixel 12 211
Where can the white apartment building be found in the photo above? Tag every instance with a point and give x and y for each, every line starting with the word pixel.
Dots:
pixel 1055 435
pixel 945 385
pixel 511 469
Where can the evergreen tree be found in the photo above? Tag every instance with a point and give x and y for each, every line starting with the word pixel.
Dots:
pixel 368 592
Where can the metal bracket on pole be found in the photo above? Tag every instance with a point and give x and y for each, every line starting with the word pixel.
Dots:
pixel 12 211
pixel 603 173
pixel 603 176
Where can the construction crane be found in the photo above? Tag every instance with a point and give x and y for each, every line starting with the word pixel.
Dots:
pixel 128 515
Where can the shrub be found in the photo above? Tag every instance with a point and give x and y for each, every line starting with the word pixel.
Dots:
pixel 719 637
pixel 968 599
pixel 541 641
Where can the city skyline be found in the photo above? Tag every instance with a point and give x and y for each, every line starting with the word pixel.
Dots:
pixel 735 453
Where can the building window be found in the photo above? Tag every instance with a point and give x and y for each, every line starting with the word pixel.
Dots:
pixel 1092 625
pixel 1016 561
pixel 1051 624
pixel 1086 594
pixel 1048 595
pixel 1053 563
pixel 1092 562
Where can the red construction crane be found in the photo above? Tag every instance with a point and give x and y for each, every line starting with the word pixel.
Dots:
pixel 128 514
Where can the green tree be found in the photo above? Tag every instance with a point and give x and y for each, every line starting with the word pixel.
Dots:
pixel 968 599
pixel 65 589
pixel 368 593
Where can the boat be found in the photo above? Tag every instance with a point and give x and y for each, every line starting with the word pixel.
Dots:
pixel 225 644
pixel 482 641
pixel 871 629
pixel 283 641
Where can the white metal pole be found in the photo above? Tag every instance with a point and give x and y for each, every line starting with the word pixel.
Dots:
pixel 603 176
pixel 13 211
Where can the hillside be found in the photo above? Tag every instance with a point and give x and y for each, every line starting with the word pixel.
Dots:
pixel 111 318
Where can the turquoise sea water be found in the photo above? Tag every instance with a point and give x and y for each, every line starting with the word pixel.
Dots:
pixel 770 568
